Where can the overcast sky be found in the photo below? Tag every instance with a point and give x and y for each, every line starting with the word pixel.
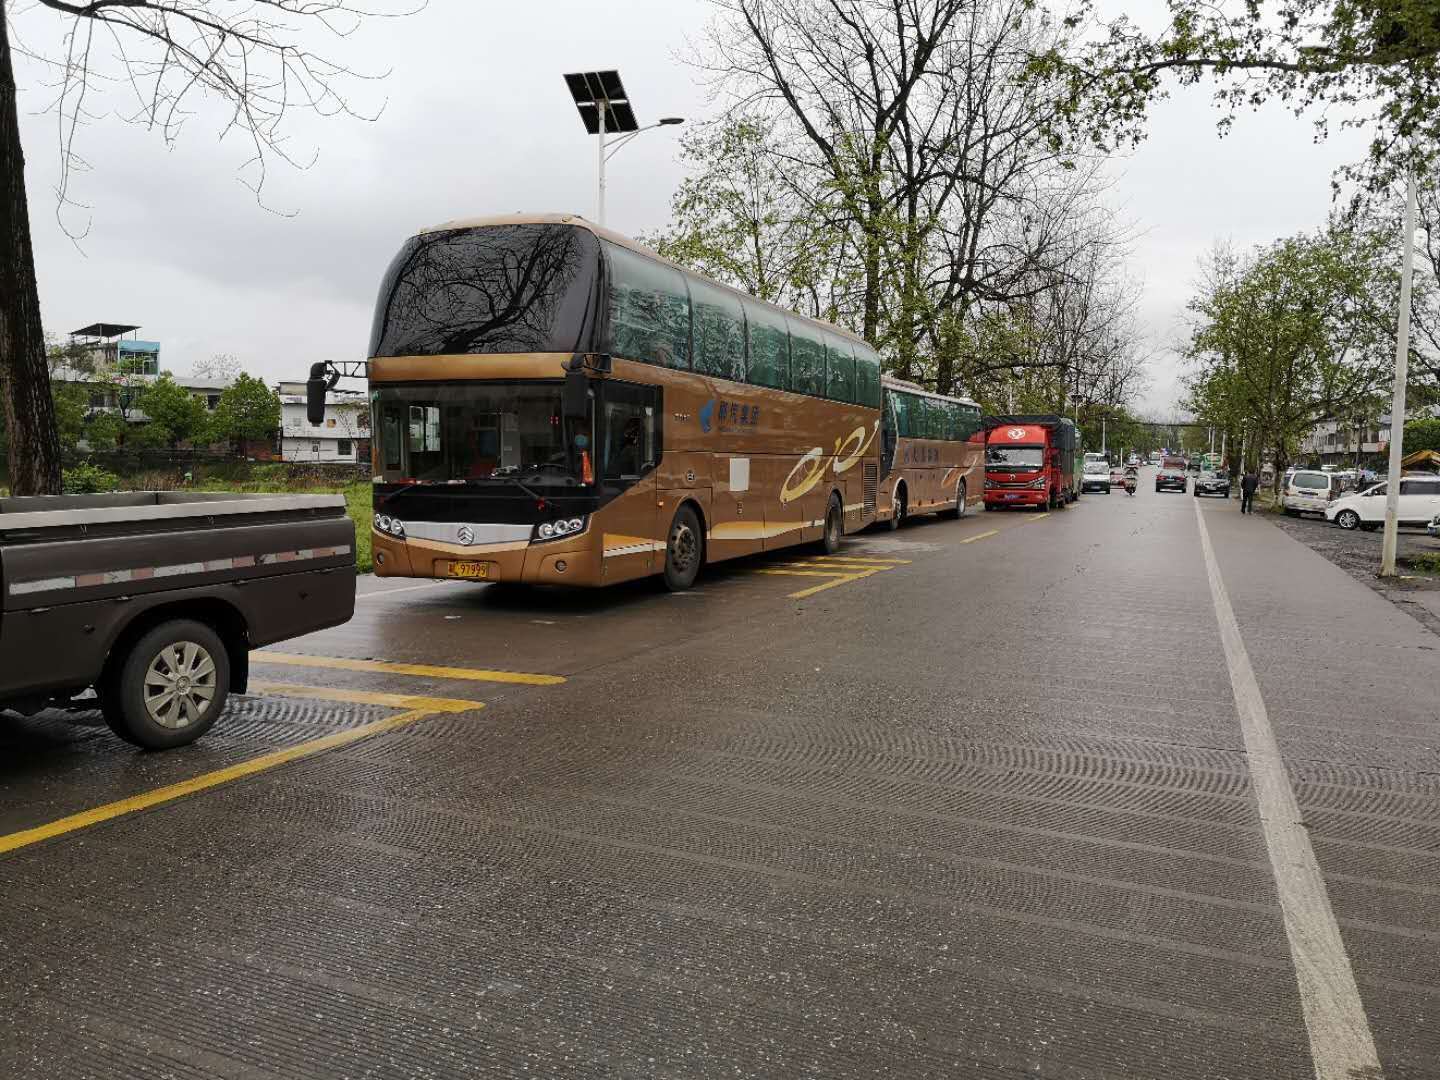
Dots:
pixel 477 120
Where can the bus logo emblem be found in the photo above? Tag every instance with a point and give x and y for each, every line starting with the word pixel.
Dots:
pixel 1015 433
pixel 465 535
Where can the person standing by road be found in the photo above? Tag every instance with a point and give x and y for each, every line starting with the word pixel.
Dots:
pixel 1248 484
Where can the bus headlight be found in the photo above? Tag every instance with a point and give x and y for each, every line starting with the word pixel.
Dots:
pixel 390 526
pixel 558 530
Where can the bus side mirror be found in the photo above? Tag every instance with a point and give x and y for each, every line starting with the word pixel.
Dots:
pixel 315 388
pixel 575 399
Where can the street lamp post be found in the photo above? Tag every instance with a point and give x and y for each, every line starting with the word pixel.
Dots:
pixel 605 109
pixel 1397 404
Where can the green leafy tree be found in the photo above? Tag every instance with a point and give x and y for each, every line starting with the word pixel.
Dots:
pixel 1375 63
pixel 1296 334
pixel 248 409
pixel 105 431
pixel 147 436
pixel 179 414
pixel 1422 435
pixel 72 402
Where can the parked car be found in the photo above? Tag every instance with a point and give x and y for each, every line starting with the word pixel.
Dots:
pixel 1213 483
pixel 154 600
pixel 1419 504
pixel 1309 491
pixel 1171 478
pixel 1096 477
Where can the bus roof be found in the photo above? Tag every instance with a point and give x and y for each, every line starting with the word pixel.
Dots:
pixel 916 388
pixel 624 241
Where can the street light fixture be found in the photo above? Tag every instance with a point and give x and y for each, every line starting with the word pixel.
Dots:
pixel 605 109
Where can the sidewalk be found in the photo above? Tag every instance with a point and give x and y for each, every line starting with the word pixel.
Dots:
pixel 1352 687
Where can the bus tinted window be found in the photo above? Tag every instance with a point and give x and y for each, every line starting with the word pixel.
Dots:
pixel 840 369
pixel 867 377
pixel 719 332
pixel 769 347
pixel 807 360
pixel 900 408
pixel 649 310
pixel 496 289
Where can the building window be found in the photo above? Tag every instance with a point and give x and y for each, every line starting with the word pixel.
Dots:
pixel 315 447
pixel 342 447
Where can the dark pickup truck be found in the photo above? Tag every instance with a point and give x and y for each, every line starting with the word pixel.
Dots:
pixel 155 599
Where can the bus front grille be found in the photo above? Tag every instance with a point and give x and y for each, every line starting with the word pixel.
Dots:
pixel 871 483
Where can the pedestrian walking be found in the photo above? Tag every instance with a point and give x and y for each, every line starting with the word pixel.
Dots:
pixel 1248 484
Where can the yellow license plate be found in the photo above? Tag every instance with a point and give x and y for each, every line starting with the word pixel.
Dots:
pixel 470 569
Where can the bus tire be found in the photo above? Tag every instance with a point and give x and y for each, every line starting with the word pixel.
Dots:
pixel 834 526
pixel 897 508
pixel 959 510
pixel 684 550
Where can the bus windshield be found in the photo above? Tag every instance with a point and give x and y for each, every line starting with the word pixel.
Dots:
pixel 493 289
pixel 475 433
pixel 1014 457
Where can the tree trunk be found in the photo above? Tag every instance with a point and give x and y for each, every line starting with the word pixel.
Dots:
pixel 24 376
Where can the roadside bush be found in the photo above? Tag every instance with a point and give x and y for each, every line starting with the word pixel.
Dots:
pixel 87 479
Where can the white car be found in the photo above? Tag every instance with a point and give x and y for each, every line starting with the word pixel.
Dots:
pixel 1096 477
pixel 1419 504
pixel 1309 491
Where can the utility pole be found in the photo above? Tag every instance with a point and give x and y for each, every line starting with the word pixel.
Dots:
pixel 1397 404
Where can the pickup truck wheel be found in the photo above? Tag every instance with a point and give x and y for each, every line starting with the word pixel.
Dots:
pixel 171 687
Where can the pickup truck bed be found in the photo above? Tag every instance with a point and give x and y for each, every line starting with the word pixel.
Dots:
pixel 193 580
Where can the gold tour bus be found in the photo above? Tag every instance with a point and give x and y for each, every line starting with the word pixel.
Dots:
pixel 932 457
pixel 553 403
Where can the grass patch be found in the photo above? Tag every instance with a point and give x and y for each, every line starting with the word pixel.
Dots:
pixel 1426 562
pixel 357 504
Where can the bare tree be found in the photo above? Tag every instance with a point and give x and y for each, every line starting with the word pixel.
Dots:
pixel 164 53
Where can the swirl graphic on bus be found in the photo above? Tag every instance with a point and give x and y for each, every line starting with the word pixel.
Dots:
pixel 809 470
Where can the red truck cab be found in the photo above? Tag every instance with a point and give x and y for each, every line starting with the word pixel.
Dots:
pixel 1030 461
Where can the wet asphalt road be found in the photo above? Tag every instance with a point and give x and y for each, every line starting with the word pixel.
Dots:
pixel 986 811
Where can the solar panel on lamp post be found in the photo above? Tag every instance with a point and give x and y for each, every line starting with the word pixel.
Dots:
pixel 605 109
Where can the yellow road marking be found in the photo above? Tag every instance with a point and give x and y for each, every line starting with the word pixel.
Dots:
pixel 231 773
pixel 832 584
pixel 340 663
pixel 980 536
pixel 867 559
pixel 802 573
pixel 366 697
pixel 1037 517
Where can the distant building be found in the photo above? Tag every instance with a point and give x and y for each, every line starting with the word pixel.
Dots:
pixel 107 346
pixel 343 436
pixel 1334 442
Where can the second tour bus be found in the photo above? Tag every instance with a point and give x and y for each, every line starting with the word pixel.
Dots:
pixel 552 403
pixel 932 453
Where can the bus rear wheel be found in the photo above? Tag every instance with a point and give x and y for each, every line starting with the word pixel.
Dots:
pixel 959 510
pixel 683 550
pixel 834 526
pixel 897 508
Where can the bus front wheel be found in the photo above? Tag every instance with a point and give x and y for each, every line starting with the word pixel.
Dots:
pixel 834 526
pixel 959 510
pixel 683 550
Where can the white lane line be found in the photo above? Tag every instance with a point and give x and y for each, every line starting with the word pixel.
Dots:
pixel 1341 1046
pixel 392 592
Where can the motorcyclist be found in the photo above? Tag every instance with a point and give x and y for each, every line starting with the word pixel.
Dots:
pixel 1132 479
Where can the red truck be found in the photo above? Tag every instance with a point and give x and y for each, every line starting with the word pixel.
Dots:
pixel 1031 460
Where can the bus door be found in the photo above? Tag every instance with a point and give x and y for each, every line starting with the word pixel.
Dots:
pixel 889 434
pixel 633 532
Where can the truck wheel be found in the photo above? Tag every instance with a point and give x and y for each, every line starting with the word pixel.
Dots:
pixel 834 526
pixel 683 551
pixel 171 686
